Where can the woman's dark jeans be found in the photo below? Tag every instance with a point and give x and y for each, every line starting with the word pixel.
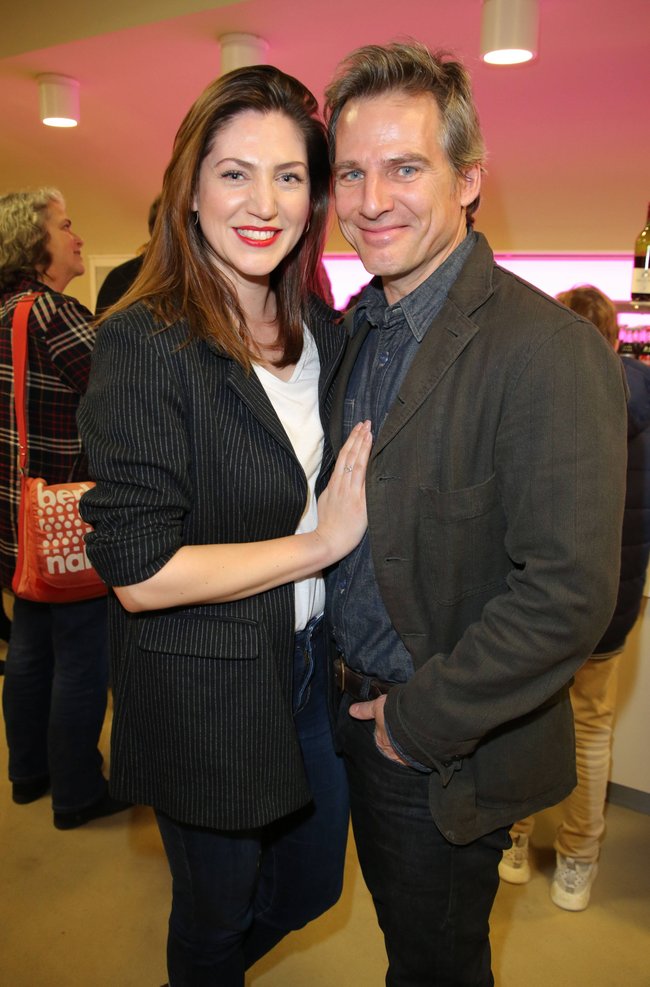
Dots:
pixel 235 895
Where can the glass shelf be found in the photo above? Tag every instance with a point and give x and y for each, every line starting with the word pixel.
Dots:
pixel 639 308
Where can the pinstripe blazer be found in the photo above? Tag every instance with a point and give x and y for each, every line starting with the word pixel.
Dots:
pixel 187 449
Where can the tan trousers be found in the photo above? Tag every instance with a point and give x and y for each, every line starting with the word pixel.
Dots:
pixel 593 697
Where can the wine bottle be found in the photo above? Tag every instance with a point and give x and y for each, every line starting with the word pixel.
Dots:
pixel 641 273
pixel 639 342
pixel 626 343
pixel 644 355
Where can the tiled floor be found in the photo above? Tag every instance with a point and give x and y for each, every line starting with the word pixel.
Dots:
pixel 88 908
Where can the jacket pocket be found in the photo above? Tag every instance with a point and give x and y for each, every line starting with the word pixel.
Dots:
pixel 529 758
pixel 464 533
pixel 199 636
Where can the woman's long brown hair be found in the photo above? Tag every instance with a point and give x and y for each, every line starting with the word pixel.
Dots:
pixel 178 279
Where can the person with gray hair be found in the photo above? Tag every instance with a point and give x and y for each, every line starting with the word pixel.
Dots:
pixel 56 673
pixel 490 565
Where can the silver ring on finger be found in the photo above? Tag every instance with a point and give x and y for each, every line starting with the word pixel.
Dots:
pixel 348 469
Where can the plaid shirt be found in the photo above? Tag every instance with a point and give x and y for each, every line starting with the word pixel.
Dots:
pixel 61 339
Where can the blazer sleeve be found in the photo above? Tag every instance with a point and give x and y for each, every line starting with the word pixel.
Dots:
pixel 560 460
pixel 133 428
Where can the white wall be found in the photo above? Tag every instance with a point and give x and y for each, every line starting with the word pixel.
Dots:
pixel 631 750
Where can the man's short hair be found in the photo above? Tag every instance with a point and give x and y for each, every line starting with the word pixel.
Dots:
pixel 413 69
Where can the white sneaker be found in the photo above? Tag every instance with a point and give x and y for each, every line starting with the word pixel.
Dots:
pixel 513 866
pixel 571 887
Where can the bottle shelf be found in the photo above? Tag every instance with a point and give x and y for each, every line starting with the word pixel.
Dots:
pixel 642 308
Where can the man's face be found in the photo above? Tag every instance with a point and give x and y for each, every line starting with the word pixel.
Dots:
pixel 399 202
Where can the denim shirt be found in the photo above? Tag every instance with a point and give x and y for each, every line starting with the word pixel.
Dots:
pixel 360 623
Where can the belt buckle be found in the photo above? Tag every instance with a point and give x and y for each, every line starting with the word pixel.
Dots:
pixel 340 667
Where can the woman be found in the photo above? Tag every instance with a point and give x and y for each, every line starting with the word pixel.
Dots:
pixel 204 426
pixel 54 696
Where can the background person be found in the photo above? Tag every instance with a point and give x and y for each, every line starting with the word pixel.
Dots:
pixel 118 281
pixel 593 692
pixel 204 422
pixel 5 629
pixel 490 566
pixel 55 689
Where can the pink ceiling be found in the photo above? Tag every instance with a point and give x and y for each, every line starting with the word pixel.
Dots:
pixel 568 135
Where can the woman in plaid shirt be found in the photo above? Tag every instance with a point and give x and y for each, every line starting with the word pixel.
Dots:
pixel 56 673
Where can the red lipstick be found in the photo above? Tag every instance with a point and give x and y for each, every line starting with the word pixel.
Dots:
pixel 258 236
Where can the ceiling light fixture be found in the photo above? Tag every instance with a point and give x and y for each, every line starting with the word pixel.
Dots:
pixel 239 50
pixel 59 100
pixel 509 31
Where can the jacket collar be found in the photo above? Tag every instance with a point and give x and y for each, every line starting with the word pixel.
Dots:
pixel 447 336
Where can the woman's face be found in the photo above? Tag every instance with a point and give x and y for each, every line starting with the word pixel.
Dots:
pixel 64 247
pixel 253 194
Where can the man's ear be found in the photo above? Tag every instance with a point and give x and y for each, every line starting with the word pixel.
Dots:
pixel 470 184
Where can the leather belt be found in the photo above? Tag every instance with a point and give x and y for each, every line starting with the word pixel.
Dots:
pixel 362 688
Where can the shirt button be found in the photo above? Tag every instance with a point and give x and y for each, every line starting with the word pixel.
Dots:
pixel 343 585
pixel 383 358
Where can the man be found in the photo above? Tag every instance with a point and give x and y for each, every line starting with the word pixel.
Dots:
pixel 490 568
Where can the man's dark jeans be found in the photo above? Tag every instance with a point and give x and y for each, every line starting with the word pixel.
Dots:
pixel 54 698
pixel 433 898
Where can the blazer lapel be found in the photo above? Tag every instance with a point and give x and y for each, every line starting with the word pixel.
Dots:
pixel 251 392
pixel 330 343
pixel 447 337
pixel 338 403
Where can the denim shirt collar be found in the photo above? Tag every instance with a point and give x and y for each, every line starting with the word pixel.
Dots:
pixel 421 305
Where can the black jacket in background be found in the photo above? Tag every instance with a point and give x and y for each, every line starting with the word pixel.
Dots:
pixel 635 547
pixel 117 282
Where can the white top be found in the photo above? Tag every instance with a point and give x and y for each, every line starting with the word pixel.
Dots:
pixel 296 404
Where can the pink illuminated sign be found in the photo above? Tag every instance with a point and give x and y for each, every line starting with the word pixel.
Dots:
pixel 550 272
